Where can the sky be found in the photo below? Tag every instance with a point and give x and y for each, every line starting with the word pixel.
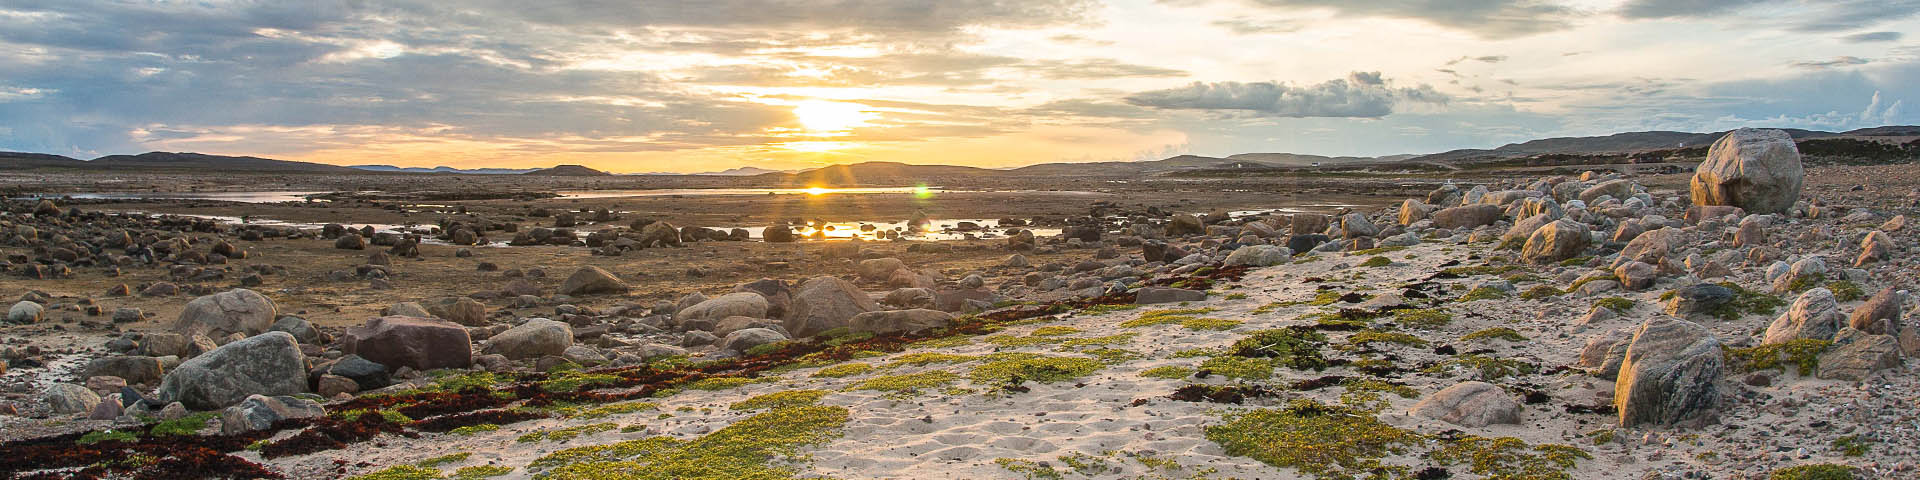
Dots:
pixel 705 85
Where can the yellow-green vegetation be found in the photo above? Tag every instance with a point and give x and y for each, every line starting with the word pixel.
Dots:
pixel 949 341
pixel 436 462
pixel 1484 293
pixel 106 436
pixel 1113 356
pixel 1296 348
pixel 766 348
pixel 1239 367
pixel 1210 324
pixel 1366 337
pixel 400 472
pixel 790 398
pixel 745 449
pixel 726 383
pixel 1511 458
pixel 1846 290
pixel 1377 251
pixel 1029 469
pixel 1479 270
pixel 1377 262
pixel 1541 291
pixel 1850 445
pixel 189 425
pixel 1818 471
pixel 1602 436
pixel 1365 394
pixel 907 383
pixel 473 429
pixel 1803 353
pixel 1489 368
pixel 843 370
pixel 1035 368
pixel 1199 353
pixel 1584 280
pixel 1575 261
pixel 1105 308
pixel 917 359
pixel 1424 318
pixel 1084 464
pixel 1745 302
pixel 480 471
pixel 451 382
pixel 1495 333
pixel 1115 339
pixel 1163 317
pixel 564 434
pixel 355 414
pixel 609 409
pixel 1173 372
pixel 574 381
pixel 1322 441
pixel 1054 331
pixel 1236 296
pixel 1617 304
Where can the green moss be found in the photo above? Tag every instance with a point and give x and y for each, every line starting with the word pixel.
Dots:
pixel 1163 317
pixel 1210 324
pixel 1603 436
pixel 107 436
pixel 1029 469
pixel 400 472
pixel 1488 368
pixel 1617 304
pixel 473 429
pixel 1172 372
pixel 1511 458
pixel 1484 293
pixel 436 462
pixel 1296 348
pixel 1236 296
pixel 573 381
pixel 1113 356
pixel 1365 337
pixel 1745 302
pixel 726 383
pixel 745 449
pixel 1575 261
pixel 1479 270
pixel 1495 333
pixel 1820 471
pixel 568 433
pixel 390 415
pixel 843 370
pixel 480 471
pixel 187 425
pixel 790 398
pixel 949 341
pixel 1199 353
pixel 1239 367
pixel 1037 369
pixel 1803 353
pixel 1318 440
pixel 613 409
pixel 1054 331
pixel 1377 262
pixel 926 358
pixel 1115 339
pixel 843 339
pixel 1805 282
pixel 907 383
pixel 1541 291
pixel 1424 318
pixel 456 383
pixel 1851 446
pixel 1846 291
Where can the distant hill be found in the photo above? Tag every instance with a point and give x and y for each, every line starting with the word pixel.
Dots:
pixel 869 173
pixel 568 171
pixel 166 161
pixel 1630 142
pixel 443 169
pixel 742 172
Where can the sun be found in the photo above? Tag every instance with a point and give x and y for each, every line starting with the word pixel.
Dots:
pixel 824 116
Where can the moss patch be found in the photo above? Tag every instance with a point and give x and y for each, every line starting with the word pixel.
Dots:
pixel 1495 333
pixel 1541 291
pixel 843 370
pixel 1036 369
pixel 1210 324
pixel 1171 372
pixel 1424 318
pixel 400 472
pixel 790 398
pixel 1368 337
pixel 907 383
pixel 1511 458
pixel 1821 471
pixel 1321 441
pixel 480 471
pixel 564 434
pixel 1617 304
pixel 745 449
pixel 1484 293
pixel 1846 291
pixel 1297 348
pixel 1803 353
pixel 1377 262
pixel 1239 367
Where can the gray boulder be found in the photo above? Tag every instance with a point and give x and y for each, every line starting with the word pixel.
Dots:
pixel 265 364
pixel 1259 256
pixel 738 304
pixel 240 310
pixel 259 412
pixel 1468 216
pixel 1556 241
pixel 67 398
pixel 1815 315
pixel 901 321
pixel 1470 404
pixel 1698 299
pixel 536 338
pixel 420 343
pixel 746 338
pixel 824 303
pixel 1754 169
pixel 1857 355
pixel 135 369
pixel 1670 374
pixel 25 312
pixel 589 280
pixel 1153 295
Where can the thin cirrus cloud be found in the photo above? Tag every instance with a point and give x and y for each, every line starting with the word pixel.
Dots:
pixel 1360 95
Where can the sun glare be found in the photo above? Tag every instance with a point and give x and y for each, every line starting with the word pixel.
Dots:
pixel 816 191
pixel 824 116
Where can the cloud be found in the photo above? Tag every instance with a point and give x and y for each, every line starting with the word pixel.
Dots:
pixel 1095 68
pixel 1841 61
pixel 1360 95
pixel 1654 9
pixel 1482 59
pixel 1493 19
pixel 1250 26
pixel 1872 37
pixel 1823 16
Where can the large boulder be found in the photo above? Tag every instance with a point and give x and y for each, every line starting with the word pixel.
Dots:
pixel 1413 210
pixel 1557 241
pixel 824 303
pixel 134 369
pixel 1184 224
pixel 1653 246
pixel 590 280
pixel 746 338
pixel 25 312
pixel 420 343
pixel 1698 299
pixel 538 337
pixel 1880 314
pixel 240 310
pixel 1815 315
pixel 1469 216
pixel 778 294
pixel 659 234
pixel 1620 189
pixel 365 374
pixel 737 304
pixel 878 269
pixel 67 398
pixel 901 321
pixel 265 364
pixel 1356 225
pixel 1754 169
pixel 1470 404
pixel 461 310
pixel 1876 246
pixel 260 412
pixel 1259 256
pixel 1156 295
pixel 1858 354
pixel 1670 374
